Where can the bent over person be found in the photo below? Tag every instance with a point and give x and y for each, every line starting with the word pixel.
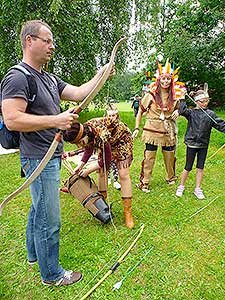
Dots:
pixel 161 107
pixel 113 141
pixel 37 120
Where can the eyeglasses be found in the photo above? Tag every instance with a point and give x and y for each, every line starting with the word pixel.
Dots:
pixel 46 41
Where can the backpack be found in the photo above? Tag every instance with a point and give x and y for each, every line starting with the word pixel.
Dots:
pixel 136 104
pixel 10 139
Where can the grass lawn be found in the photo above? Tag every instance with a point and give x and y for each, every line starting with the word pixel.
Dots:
pixel 187 256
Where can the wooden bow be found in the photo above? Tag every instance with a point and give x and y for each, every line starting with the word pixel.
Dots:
pixel 216 152
pixel 58 135
pixel 115 265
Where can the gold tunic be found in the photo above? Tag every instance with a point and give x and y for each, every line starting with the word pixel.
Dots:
pixel 159 128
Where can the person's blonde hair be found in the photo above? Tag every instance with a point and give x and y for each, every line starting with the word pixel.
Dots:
pixel 111 110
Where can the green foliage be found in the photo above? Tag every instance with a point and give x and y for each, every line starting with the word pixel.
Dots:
pixel 198 34
pixel 191 34
pixel 121 87
pixel 84 32
pixel 188 257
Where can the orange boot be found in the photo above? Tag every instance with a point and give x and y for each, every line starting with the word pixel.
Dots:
pixel 127 201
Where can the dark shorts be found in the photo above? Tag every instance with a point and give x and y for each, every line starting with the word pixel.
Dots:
pixel 190 157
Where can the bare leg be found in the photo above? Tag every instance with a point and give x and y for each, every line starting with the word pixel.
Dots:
pixel 125 182
pixel 184 177
pixel 199 175
pixel 181 187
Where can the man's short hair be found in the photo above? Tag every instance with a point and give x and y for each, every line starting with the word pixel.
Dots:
pixel 31 27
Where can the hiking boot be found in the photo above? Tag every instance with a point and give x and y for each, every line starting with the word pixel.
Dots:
pixel 117 185
pixel 68 278
pixel 180 190
pixel 199 194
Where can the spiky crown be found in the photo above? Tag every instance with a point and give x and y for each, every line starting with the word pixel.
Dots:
pixel 167 70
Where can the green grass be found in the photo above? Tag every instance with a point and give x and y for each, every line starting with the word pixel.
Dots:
pixel 187 261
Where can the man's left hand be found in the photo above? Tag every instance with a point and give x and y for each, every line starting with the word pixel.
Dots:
pixel 112 72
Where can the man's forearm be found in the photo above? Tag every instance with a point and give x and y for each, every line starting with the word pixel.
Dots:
pixel 28 122
pixel 78 93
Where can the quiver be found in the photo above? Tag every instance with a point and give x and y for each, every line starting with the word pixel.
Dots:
pixel 85 190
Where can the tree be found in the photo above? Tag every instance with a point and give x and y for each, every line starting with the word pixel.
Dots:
pixel 191 34
pixel 84 33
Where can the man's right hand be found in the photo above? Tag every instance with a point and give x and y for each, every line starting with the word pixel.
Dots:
pixel 66 119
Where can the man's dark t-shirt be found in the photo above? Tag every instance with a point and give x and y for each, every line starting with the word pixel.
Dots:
pixel 47 102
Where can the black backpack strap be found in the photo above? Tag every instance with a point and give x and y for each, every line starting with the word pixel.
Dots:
pixel 30 79
pixel 10 139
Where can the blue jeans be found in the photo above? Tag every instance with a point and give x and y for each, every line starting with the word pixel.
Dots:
pixel 44 222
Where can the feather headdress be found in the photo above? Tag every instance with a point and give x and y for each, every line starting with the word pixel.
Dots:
pixel 169 70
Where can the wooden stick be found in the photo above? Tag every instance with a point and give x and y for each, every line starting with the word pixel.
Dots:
pixel 67 165
pixel 216 152
pixel 201 209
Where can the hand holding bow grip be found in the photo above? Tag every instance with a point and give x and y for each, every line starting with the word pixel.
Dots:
pixel 58 135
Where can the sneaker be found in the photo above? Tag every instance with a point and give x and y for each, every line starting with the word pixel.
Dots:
pixel 180 190
pixel 64 190
pixel 31 263
pixel 143 188
pixel 117 185
pixel 68 278
pixel 199 194
pixel 172 180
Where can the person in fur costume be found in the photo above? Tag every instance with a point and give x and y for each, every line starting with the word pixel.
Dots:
pixel 112 140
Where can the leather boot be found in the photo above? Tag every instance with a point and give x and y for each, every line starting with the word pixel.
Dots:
pixel 170 160
pixel 128 212
pixel 147 167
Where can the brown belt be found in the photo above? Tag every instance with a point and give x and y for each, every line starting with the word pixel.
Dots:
pixel 152 130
